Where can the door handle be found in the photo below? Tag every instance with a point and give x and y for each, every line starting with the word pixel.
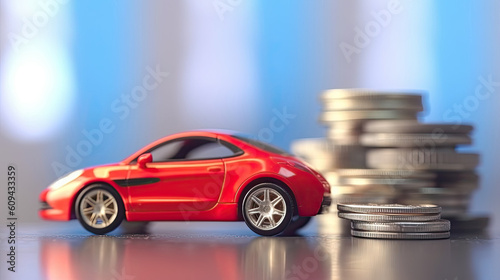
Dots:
pixel 214 169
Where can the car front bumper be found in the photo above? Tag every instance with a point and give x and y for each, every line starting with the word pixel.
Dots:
pixel 54 207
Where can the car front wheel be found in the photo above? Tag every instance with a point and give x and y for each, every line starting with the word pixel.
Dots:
pixel 99 209
pixel 267 209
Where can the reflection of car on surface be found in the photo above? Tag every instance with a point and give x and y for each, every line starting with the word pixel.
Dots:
pixel 143 257
pixel 192 176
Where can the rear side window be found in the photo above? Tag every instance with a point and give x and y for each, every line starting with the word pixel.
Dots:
pixel 261 145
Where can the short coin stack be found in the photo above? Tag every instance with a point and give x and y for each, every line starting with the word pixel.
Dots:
pixel 395 221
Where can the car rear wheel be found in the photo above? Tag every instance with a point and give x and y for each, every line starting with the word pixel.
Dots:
pixel 297 223
pixel 267 209
pixel 99 209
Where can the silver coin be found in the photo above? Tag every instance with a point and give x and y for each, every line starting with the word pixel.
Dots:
pixel 454 211
pixel 439 191
pixel 394 182
pixel 359 198
pixel 315 151
pixel 337 133
pixel 350 156
pixel 385 173
pixel 389 217
pixel 344 139
pixel 421 159
pixel 413 140
pixel 374 190
pixel 430 226
pixel 413 104
pixel 359 93
pixel 308 144
pixel 434 193
pixel 390 208
pixel 444 203
pixel 349 125
pixel 467 186
pixel 401 235
pixel 457 176
pixel 405 126
pixel 334 116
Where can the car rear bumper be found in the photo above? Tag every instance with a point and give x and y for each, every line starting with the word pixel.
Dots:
pixel 325 204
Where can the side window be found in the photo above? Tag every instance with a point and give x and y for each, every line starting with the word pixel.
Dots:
pixel 192 149
pixel 167 151
pixel 210 150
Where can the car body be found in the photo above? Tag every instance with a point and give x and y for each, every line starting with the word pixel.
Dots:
pixel 190 176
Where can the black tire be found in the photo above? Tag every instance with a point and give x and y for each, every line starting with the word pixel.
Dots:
pixel 107 217
pixel 267 219
pixel 296 224
pixel 127 227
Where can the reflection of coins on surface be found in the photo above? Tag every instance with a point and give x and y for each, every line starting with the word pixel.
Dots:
pixel 430 226
pixel 400 235
pixel 413 140
pixel 421 159
pixel 408 126
pixel 389 217
pixel 390 208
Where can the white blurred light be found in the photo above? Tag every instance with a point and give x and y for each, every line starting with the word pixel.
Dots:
pixel 37 92
pixel 220 64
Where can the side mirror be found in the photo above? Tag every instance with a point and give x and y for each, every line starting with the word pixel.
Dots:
pixel 144 159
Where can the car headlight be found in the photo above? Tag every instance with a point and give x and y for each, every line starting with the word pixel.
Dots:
pixel 66 179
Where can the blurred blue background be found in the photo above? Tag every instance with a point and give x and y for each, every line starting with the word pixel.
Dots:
pixel 89 82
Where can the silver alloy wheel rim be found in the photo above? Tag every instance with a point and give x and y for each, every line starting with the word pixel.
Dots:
pixel 265 208
pixel 99 208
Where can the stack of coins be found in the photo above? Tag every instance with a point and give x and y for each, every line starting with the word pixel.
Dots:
pixel 376 151
pixel 426 148
pixel 395 221
pixel 346 111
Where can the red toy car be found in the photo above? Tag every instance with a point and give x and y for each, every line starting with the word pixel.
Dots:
pixel 193 176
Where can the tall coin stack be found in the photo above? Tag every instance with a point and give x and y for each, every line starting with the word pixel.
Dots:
pixel 376 151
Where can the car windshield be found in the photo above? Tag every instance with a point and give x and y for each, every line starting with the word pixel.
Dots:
pixel 261 145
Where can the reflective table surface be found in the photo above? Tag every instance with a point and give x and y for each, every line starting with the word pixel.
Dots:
pixel 216 250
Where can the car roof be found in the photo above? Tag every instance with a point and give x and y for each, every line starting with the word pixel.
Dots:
pixel 213 133
pixel 200 133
